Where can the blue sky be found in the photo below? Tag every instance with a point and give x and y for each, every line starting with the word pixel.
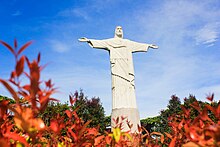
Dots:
pixel 186 31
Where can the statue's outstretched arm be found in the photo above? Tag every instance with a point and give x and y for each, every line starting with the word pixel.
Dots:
pixel 83 39
pixel 153 46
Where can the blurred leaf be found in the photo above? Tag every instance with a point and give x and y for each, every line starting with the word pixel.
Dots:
pixel 10 89
pixel 173 142
pixel 20 66
pixel 210 97
pixel 54 126
pixel 15 44
pixel 117 134
pixel 24 47
pixel 38 57
pixel 8 47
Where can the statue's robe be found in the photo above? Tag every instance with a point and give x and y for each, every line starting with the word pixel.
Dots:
pixel 122 69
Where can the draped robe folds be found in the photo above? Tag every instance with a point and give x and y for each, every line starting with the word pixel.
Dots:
pixel 122 69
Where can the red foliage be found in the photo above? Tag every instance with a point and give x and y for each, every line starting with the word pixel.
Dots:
pixel 20 124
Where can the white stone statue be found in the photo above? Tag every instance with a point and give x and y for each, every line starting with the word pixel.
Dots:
pixel 122 71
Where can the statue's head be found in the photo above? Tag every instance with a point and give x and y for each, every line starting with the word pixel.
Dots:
pixel 118 32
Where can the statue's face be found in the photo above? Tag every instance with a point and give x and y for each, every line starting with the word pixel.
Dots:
pixel 119 32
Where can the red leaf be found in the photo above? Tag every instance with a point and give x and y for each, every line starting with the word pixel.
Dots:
pixel 72 134
pixel 173 142
pixel 54 126
pixel 15 43
pixel 16 137
pixel 98 140
pixel 38 58
pixel 4 142
pixel 108 139
pixel 168 135
pixel 92 131
pixel 20 66
pixel 117 120
pixel 26 87
pixel 210 97
pixel 218 111
pixel 10 89
pixel 24 47
pixel 139 128
pixel 72 100
pixel 204 115
pixel 28 62
pixel 196 106
pixel 68 113
pixel 123 118
pixel 13 74
pixel 211 108
pixel 186 112
pixel 53 99
pixel 48 83
pixel 180 124
pixel 83 129
pixel 8 47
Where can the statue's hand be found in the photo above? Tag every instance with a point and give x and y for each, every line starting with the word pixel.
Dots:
pixel 83 39
pixel 153 46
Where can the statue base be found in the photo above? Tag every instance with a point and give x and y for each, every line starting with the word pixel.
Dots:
pixel 124 116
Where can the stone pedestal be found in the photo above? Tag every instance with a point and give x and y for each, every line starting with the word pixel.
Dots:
pixel 130 114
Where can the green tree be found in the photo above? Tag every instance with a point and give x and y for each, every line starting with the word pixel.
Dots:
pixel 52 110
pixel 151 123
pixel 90 109
pixel 11 101
pixel 173 108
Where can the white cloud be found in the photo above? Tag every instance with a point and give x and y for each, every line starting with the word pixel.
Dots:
pixel 208 35
pixel 178 66
pixel 60 46
pixel 75 12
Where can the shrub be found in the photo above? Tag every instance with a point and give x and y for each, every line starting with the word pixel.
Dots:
pixel 21 124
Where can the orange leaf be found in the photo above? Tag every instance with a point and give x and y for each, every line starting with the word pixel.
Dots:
pixel 54 126
pixel 180 124
pixel 16 137
pixel 20 66
pixel 68 113
pixel 24 47
pixel 83 129
pixel 4 143
pixel 211 108
pixel 186 111
pixel 168 135
pixel 8 47
pixel 108 139
pixel 92 131
pixel 72 134
pixel 218 111
pixel 196 106
pixel 190 144
pixel 173 142
pixel 98 139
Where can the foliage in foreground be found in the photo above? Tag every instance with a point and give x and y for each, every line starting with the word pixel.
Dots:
pixel 21 125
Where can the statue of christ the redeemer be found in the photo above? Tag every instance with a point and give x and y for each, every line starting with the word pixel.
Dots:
pixel 122 71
